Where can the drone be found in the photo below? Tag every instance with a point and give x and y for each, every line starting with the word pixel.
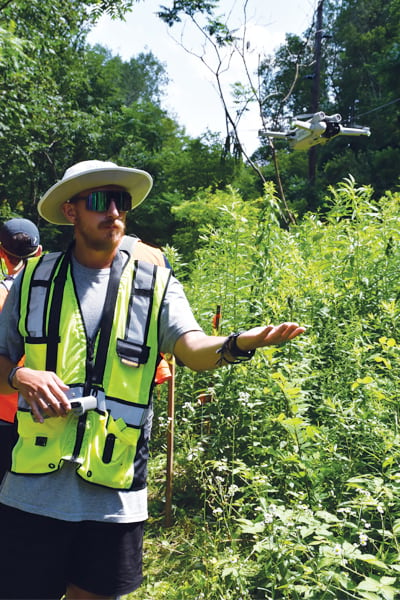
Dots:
pixel 318 128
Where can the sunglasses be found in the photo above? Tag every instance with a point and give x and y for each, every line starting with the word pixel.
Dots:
pixel 100 200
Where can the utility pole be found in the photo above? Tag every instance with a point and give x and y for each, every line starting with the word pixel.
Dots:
pixel 315 90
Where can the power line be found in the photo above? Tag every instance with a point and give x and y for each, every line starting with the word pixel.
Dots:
pixel 379 107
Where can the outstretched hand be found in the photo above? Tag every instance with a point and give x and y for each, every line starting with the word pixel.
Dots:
pixel 270 335
pixel 201 352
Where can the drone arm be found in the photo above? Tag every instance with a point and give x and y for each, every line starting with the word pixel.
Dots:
pixel 354 131
pixel 277 134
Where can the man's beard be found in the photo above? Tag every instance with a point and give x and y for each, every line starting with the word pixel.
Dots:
pixel 107 243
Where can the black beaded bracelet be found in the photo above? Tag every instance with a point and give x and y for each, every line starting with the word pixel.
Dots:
pixel 11 376
pixel 230 347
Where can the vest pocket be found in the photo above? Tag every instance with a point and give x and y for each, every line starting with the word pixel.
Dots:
pixel 41 446
pixel 109 450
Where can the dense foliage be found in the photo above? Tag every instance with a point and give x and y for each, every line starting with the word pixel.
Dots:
pixel 287 467
pixel 63 101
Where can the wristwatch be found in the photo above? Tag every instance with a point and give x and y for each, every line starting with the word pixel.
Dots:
pixel 11 376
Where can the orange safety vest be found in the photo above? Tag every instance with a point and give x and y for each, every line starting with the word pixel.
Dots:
pixel 8 402
pixel 8 406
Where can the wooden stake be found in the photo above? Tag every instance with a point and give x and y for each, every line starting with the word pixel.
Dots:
pixel 170 445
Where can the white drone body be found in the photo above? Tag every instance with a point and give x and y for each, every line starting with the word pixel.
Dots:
pixel 318 129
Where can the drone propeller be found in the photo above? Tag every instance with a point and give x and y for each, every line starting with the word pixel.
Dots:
pixel 303 116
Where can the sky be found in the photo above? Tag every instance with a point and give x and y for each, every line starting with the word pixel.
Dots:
pixel 191 96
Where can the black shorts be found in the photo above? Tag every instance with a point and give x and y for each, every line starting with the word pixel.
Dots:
pixel 39 556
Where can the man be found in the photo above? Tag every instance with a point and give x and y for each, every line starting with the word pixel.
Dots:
pixel 19 240
pixel 91 323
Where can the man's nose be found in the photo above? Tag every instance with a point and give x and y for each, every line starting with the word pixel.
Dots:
pixel 112 209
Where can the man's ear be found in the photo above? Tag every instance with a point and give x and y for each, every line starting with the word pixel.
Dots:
pixel 69 212
pixel 39 250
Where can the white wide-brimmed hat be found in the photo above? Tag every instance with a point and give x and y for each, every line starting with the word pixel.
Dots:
pixel 92 174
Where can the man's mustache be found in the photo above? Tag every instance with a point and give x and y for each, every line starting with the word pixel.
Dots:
pixel 111 221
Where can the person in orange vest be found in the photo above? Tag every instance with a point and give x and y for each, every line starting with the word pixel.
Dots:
pixel 19 240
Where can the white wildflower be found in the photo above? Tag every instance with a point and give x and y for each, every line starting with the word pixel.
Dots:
pixel 268 518
pixel 337 550
pixel 244 397
pixel 363 539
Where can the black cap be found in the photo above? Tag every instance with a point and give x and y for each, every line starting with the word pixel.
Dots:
pixel 19 237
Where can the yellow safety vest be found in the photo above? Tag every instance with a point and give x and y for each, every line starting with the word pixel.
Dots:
pixel 119 370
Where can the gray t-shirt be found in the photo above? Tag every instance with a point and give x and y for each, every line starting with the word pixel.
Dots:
pixel 63 495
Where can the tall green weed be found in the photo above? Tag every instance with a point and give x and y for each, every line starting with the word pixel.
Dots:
pixel 287 467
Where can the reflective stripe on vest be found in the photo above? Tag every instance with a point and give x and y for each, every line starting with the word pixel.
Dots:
pixel 132 349
pixel 38 294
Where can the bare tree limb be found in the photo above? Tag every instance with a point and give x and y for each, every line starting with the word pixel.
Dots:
pixel 238 46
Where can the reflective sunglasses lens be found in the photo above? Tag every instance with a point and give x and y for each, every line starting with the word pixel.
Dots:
pixel 97 201
pixel 125 201
pixel 100 200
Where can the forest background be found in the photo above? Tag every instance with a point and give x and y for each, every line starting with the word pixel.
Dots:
pixel 286 468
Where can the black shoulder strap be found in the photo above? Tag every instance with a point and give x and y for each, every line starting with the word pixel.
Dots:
pixel 55 313
pixel 107 318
